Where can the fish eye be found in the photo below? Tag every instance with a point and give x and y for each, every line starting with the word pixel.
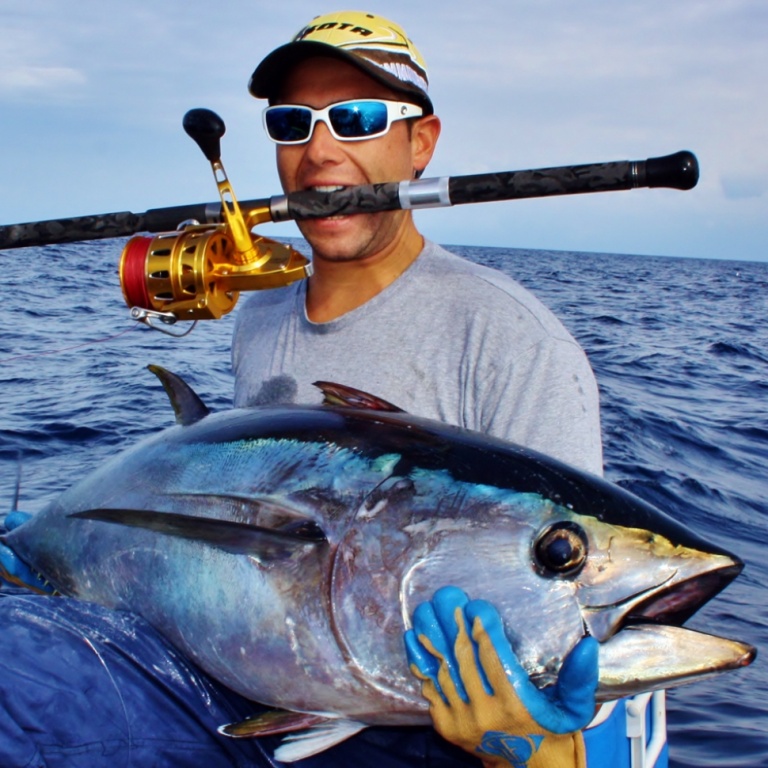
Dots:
pixel 561 549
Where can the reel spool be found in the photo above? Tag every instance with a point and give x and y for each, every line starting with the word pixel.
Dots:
pixel 198 271
pixel 175 272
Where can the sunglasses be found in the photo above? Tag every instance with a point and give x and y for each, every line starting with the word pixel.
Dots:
pixel 347 120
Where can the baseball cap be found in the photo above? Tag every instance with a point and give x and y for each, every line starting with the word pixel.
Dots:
pixel 377 46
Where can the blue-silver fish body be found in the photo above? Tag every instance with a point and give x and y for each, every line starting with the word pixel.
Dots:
pixel 285 548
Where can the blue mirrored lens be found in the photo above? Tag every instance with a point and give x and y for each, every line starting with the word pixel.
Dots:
pixel 288 123
pixel 358 119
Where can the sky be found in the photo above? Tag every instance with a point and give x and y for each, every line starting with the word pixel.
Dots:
pixel 93 92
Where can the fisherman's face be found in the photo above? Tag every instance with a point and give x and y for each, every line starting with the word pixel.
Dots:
pixel 324 163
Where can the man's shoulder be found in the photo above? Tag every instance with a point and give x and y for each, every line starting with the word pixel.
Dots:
pixel 486 289
pixel 444 264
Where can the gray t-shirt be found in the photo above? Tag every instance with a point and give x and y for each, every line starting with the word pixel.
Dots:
pixel 449 340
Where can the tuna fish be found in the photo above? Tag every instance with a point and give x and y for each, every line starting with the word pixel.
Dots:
pixel 285 548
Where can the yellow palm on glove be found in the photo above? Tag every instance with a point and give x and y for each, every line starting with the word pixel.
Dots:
pixel 483 700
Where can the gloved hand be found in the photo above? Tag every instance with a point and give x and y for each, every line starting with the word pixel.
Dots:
pixel 483 700
pixel 16 571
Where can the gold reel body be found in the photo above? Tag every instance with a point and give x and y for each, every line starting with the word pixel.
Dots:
pixel 194 275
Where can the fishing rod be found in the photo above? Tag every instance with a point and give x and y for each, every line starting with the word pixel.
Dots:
pixel 206 253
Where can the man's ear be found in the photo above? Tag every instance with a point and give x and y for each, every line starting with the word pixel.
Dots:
pixel 424 135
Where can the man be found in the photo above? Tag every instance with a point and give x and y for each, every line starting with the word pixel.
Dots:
pixel 386 312
pixel 391 314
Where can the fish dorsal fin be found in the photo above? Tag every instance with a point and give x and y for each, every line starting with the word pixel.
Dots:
pixel 186 403
pixel 263 544
pixel 309 734
pixel 349 397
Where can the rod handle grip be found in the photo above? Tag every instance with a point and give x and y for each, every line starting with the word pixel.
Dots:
pixel 677 171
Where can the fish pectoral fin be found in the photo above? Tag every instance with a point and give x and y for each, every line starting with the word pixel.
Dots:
pixel 236 538
pixel 349 397
pixel 309 734
pixel 186 403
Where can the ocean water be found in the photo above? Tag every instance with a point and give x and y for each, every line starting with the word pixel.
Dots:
pixel 679 347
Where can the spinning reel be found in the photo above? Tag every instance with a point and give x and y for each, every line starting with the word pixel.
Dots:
pixel 197 272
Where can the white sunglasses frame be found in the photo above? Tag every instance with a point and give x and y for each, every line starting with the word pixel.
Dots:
pixel 396 110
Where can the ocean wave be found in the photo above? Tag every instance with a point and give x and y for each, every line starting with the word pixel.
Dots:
pixel 679 348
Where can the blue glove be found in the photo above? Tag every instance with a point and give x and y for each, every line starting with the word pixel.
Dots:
pixel 12 569
pixel 480 696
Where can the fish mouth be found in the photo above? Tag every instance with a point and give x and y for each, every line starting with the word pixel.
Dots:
pixel 675 603
pixel 671 601
pixel 652 657
pixel 643 645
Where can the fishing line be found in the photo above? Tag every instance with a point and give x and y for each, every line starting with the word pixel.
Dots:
pixel 59 351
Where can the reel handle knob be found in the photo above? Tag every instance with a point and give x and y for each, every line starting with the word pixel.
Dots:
pixel 206 128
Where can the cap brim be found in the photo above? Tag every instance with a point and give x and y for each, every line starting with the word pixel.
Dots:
pixel 267 79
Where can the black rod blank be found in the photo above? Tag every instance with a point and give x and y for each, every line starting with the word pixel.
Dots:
pixel 676 171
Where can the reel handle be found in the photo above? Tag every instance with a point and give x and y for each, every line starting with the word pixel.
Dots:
pixel 206 128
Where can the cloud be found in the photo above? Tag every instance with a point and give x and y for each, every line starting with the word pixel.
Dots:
pixel 33 56
pixel 23 78
pixel 743 186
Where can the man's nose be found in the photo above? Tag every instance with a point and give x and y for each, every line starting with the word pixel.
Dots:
pixel 322 142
